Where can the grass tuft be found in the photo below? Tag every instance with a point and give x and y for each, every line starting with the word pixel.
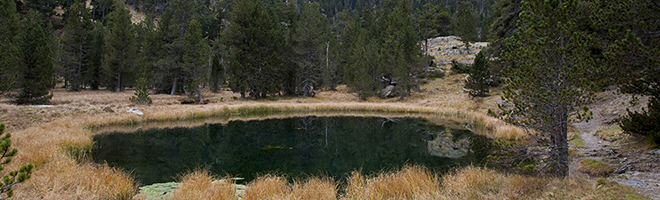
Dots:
pixel 200 184
pixel 594 168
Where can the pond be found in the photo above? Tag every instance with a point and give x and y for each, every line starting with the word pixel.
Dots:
pixel 295 147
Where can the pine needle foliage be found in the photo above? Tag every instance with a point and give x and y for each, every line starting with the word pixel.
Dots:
pixel 142 89
pixel 13 177
pixel 549 58
pixel 479 75
pixel 36 71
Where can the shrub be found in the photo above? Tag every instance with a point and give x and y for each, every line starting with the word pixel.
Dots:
pixel 16 176
pixel 646 123
pixel 141 92
pixel 479 75
pixel 459 67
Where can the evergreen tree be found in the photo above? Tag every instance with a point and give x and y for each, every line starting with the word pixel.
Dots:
pixel 362 60
pixel 479 75
pixel 77 43
pixel 312 34
pixel 120 48
pixel 466 23
pixel 94 73
pixel 195 60
pixel 506 14
pixel 142 88
pixel 36 71
pixel 172 28
pixel 548 84
pixel 399 47
pixel 9 55
pixel 255 40
pixel 631 55
pixel 433 21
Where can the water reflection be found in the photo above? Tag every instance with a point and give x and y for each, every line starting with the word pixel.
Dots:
pixel 332 146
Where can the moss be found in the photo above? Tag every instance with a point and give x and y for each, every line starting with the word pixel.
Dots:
pixel 611 133
pixel 594 168
pixel 577 141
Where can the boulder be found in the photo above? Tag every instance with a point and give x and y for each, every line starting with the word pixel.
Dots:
pixel 464 91
pixel 387 91
pixel 136 111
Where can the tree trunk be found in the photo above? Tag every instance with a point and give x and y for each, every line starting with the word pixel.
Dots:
pixel 118 84
pixel 199 94
pixel 174 86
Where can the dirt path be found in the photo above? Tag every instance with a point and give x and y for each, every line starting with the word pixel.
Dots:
pixel 639 168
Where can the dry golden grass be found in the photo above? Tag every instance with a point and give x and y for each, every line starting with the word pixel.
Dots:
pixel 200 184
pixel 411 182
pixel 266 187
pixel 313 188
pixel 64 178
pixel 480 183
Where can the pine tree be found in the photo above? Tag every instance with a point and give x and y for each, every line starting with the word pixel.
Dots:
pixel 631 53
pixel 9 55
pixel 94 73
pixel 142 88
pixel 120 48
pixel 548 84
pixel 36 72
pixel 76 43
pixel 195 60
pixel 312 34
pixel 466 23
pixel 361 61
pixel 479 75
pixel 399 47
pixel 256 40
pixel 13 177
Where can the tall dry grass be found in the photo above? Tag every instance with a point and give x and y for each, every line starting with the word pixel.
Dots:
pixel 481 183
pixel 266 187
pixel 277 187
pixel 411 182
pixel 64 178
pixel 200 184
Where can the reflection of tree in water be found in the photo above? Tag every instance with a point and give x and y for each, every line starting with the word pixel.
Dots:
pixel 332 146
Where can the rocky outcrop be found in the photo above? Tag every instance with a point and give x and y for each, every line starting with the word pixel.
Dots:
pixel 445 146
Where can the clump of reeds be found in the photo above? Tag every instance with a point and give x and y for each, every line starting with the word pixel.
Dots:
pixel 266 187
pixel 481 183
pixel 277 187
pixel 313 188
pixel 411 182
pixel 200 184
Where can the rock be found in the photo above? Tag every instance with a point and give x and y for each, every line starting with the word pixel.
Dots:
pixel 631 182
pixel 108 109
pixel 445 146
pixel 387 91
pixel 136 111
pixel 654 152
pixel 464 91
pixel 44 106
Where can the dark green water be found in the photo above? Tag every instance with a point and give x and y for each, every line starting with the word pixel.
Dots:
pixel 296 147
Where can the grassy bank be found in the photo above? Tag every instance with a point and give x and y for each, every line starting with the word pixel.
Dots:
pixel 60 149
